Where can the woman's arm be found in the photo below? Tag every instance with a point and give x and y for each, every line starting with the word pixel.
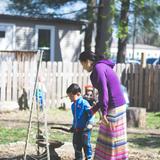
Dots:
pixel 100 79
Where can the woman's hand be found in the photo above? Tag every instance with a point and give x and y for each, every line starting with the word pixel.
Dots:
pixel 105 120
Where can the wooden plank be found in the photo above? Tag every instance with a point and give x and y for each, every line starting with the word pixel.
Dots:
pixel 123 71
pixel 118 70
pixel 128 82
pixel 15 74
pixel 20 78
pixel 43 76
pixel 3 80
pixel 155 92
pixel 136 85
pixel 149 87
pixel 69 75
pixel 8 89
pixel 146 87
pixel 32 77
pixel 80 76
pixel 132 78
pixel 48 84
pixel 64 78
pixel 75 72
pixel 26 76
pixel 85 80
pixel 158 88
pixel 141 86
pixel 59 84
pixel 152 94
pixel 54 84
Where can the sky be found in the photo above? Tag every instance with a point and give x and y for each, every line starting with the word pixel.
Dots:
pixel 3 5
pixel 76 6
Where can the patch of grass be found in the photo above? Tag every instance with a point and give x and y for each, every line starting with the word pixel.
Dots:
pixel 9 135
pixel 67 137
pixel 60 136
pixel 153 120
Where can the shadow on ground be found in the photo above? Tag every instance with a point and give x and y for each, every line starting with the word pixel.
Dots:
pixel 146 141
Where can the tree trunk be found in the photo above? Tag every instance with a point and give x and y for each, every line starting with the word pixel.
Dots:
pixel 123 31
pixel 90 27
pixel 104 26
pixel 136 117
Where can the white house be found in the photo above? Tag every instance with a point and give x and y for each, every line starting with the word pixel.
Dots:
pixel 62 37
pixel 149 51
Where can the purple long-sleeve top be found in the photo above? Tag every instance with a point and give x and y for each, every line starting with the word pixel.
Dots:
pixel 106 81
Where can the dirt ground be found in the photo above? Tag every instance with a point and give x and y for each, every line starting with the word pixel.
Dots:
pixel 20 118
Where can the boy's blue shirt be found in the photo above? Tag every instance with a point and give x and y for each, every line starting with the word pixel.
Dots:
pixel 81 114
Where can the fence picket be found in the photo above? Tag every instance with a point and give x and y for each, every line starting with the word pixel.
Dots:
pixel 59 83
pixel 54 85
pixel 3 80
pixel 9 81
pixel 155 89
pixel 14 81
pixel 48 84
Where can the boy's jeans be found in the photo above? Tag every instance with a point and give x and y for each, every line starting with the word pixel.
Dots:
pixel 81 140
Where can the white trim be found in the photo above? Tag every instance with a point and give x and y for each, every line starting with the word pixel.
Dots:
pixel 52 38
pixel 13 33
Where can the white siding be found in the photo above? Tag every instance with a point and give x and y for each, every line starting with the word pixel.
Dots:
pixel 25 38
pixel 69 43
pixel 8 41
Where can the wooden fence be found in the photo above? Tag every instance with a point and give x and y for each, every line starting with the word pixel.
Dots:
pixel 18 55
pixel 142 83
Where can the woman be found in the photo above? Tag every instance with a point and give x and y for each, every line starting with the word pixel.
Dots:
pixel 112 139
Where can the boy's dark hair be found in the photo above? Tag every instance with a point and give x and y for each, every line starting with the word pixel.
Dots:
pixel 73 89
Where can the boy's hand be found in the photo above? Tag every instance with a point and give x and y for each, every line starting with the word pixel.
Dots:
pixel 89 126
pixel 71 130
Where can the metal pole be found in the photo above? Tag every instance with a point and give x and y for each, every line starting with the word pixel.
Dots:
pixel 30 117
pixel 46 134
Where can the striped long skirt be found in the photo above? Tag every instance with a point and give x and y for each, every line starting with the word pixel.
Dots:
pixel 112 139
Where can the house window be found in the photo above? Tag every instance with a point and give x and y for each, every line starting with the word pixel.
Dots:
pixel 44 41
pixel 2 34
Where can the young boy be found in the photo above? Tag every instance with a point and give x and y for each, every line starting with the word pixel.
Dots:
pixel 81 118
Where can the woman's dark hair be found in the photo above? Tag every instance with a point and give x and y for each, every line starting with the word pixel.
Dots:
pixel 73 89
pixel 89 55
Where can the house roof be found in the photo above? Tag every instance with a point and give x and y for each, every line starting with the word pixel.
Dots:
pixel 41 19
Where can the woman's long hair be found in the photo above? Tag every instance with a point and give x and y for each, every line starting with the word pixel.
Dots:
pixel 89 55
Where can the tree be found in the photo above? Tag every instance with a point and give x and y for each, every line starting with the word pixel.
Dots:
pixel 90 27
pixel 142 24
pixel 123 31
pixel 104 26
pixel 38 8
pixel 147 15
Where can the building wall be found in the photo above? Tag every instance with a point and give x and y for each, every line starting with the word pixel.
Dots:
pixel 7 36
pixel 149 51
pixel 68 43
pixel 67 40
pixel 25 37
